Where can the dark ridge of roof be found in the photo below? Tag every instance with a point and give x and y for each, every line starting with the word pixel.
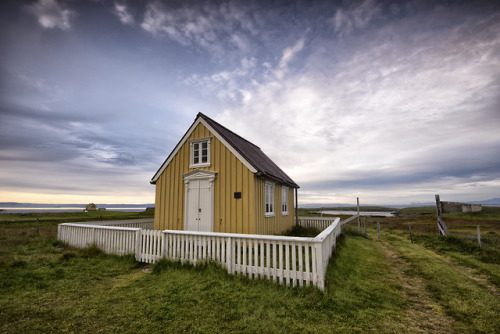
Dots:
pixel 252 153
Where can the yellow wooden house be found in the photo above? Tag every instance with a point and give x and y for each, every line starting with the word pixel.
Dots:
pixel 216 181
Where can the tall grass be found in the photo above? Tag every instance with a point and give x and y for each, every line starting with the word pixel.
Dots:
pixel 46 286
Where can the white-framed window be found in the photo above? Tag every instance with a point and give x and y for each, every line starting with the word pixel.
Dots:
pixel 284 201
pixel 199 152
pixel 269 199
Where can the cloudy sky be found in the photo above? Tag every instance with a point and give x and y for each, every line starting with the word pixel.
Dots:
pixel 391 101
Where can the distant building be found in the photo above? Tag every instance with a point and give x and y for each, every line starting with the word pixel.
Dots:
pixel 91 207
pixel 452 207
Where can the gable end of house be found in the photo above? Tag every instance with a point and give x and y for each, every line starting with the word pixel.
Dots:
pixel 249 154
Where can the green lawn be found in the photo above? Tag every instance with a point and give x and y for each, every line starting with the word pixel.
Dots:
pixel 389 287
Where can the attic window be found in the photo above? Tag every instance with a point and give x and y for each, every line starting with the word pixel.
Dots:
pixel 200 152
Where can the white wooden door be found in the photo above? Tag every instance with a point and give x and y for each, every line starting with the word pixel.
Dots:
pixel 199 209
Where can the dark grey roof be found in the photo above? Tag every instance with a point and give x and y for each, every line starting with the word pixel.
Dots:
pixel 252 153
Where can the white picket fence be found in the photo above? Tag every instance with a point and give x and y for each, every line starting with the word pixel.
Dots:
pixel 150 246
pixel 319 222
pixel 111 239
pixel 287 260
pixel 145 223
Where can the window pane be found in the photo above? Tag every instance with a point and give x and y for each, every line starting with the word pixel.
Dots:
pixel 204 145
pixel 196 160
pixel 269 198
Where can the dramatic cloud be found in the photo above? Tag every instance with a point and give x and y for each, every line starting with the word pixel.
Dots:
pixel 123 14
pixel 220 28
pixel 356 16
pixel 51 15
pixel 389 101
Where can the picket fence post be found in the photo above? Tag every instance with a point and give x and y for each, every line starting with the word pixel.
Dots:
pixel 165 246
pixel 229 255
pixel 319 265
pixel 478 236
pixel 138 242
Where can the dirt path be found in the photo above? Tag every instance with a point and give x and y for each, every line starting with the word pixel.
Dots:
pixel 424 315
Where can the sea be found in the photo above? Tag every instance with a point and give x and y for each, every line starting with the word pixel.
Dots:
pixel 4 210
pixel 362 213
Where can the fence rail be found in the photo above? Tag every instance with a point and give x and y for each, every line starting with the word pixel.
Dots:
pixel 287 260
pixel 319 222
pixel 111 239
pixel 150 246
pixel 146 223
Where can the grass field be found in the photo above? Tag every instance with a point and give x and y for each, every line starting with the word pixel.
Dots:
pixel 53 218
pixel 441 285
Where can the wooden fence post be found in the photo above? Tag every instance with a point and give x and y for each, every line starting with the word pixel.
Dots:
pixel 411 235
pixel 229 255
pixel 443 229
pixel 359 219
pixel 164 239
pixel 378 231
pixel 138 245
pixel 365 220
pixel 319 266
pixel 478 236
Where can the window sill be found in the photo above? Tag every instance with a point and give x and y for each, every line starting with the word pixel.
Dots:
pixel 269 215
pixel 200 165
pixel 284 213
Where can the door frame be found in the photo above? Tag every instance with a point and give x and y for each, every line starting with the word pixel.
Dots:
pixel 205 175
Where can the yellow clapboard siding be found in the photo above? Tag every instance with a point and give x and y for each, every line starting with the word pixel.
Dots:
pixel 232 202
pixel 230 214
pixel 221 189
pixel 279 222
